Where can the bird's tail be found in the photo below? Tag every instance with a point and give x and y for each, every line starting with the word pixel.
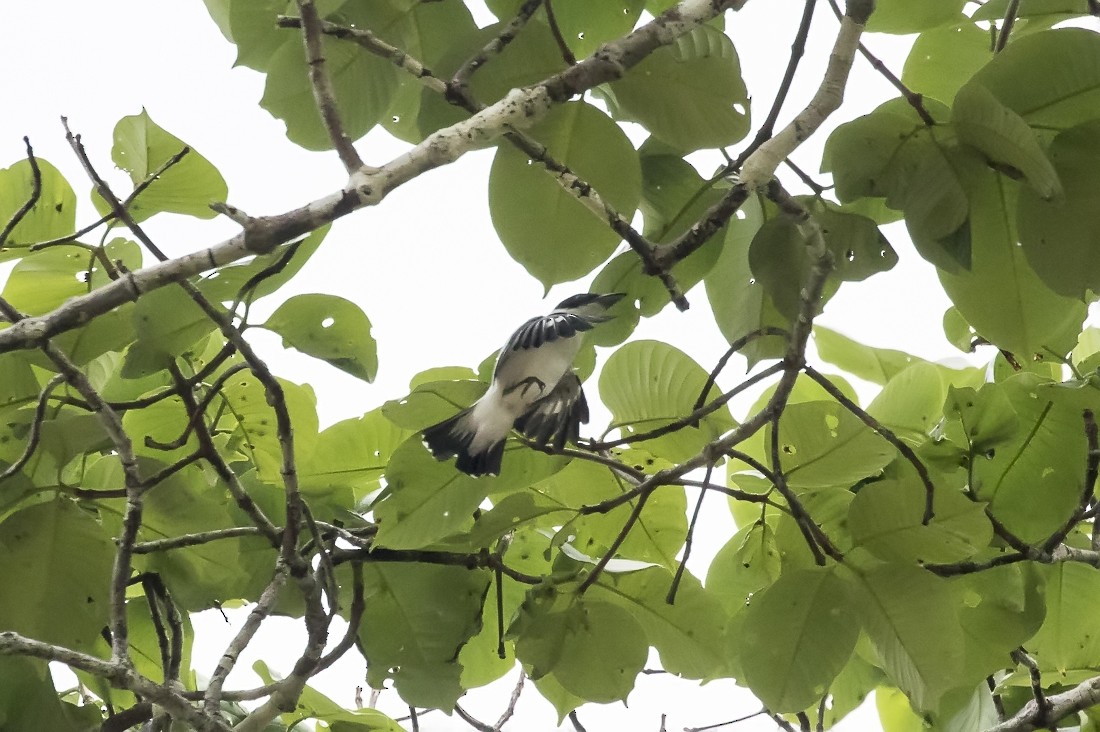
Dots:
pixel 453 437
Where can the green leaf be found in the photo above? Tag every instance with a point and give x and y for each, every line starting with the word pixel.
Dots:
pixel 740 303
pixel 41 281
pixel 943 59
pixel 417 617
pixel 1060 237
pixel 329 328
pixel 1044 458
pixel 995 9
pixel 1002 608
pixel 648 384
pixel 255 434
pixel 780 258
pixel 586 25
pixel 910 404
pixel 39 546
pixel 528 204
pixel 351 454
pixel 53 215
pixel 312 704
pixel 886 518
pixel 900 16
pixel 699 71
pixel 145 646
pixel 877 365
pixel 595 649
pixel 748 563
pixel 188 187
pixel 1051 79
pixel 1023 316
pixel 429 32
pixel 797 636
pixel 822 444
pixel 428 500
pixel 687 633
pixel 29 701
pixel 433 401
pixel 1069 638
pixel 1004 138
pixel 224 285
pixel 902 609
pixel 168 323
pixel 363 84
pixel 986 415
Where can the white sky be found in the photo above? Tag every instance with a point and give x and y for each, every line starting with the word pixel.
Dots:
pixel 415 263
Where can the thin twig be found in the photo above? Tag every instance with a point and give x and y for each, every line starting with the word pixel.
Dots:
pixel 1007 25
pixel 32 199
pixel 670 597
pixel 36 428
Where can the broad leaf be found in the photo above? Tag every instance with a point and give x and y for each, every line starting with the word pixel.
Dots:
pixel 330 328
pixel 53 215
pixel 546 228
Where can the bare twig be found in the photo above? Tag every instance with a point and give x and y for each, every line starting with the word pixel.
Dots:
pixel 36 428
pixel 670 597
pixel 32 199
pixel 1007 25
pixel 566 52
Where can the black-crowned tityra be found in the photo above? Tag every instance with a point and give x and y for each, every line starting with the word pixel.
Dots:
pixel 534 390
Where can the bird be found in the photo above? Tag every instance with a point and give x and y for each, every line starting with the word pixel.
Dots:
pixel 534 390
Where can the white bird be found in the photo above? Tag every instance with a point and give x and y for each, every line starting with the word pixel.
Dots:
pixel 533 390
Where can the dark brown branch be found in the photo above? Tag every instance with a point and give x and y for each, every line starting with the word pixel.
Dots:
pixel 1092 461
pixel 566 52
pixel 324 96
pixel 1007 25
pixel 670 597
pixel 36 428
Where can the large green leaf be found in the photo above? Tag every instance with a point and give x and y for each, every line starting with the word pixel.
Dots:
pixel 53 215
pixel 41 281
pixel 1051 79
pixel 902 16
pixel 740 303
pixel 188 187
pixel 822 444
pixel 1001 296
pixel 417 617
pixel 351 454
pixel 1061 237
pixel 648 384
pixel 1004 138
pixel 29 701
pixel 943 59
pixel 903 608
pixel 797 636
pixel 595 649
pixel 329 328
pixel 910 404
pixel 544 227
pixel 687 633
pixel 699 71
pixel 748 563
pixel 1045 457
pixel 1069 638
pixel 1002 608
pixel 51 553
pixel 886 518
pixel 168 323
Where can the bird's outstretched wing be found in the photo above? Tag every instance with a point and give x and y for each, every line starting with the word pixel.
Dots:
pixel 556 418
pixel 547 328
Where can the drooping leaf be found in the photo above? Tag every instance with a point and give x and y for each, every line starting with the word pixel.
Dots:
pixel 797 636
pixel 1004 138
pixel 595 649
pixel 1061 236
pixel 748 563
pixel 351 454
pixel 1069 638
pixel 902 607
pixel 330 328
pixel 545 228
pixel 417 617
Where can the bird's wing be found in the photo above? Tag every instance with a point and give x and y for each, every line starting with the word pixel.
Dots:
pixel 547 328
pixel 557 417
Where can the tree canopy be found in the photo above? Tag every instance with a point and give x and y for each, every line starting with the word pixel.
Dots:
pixel 936 544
